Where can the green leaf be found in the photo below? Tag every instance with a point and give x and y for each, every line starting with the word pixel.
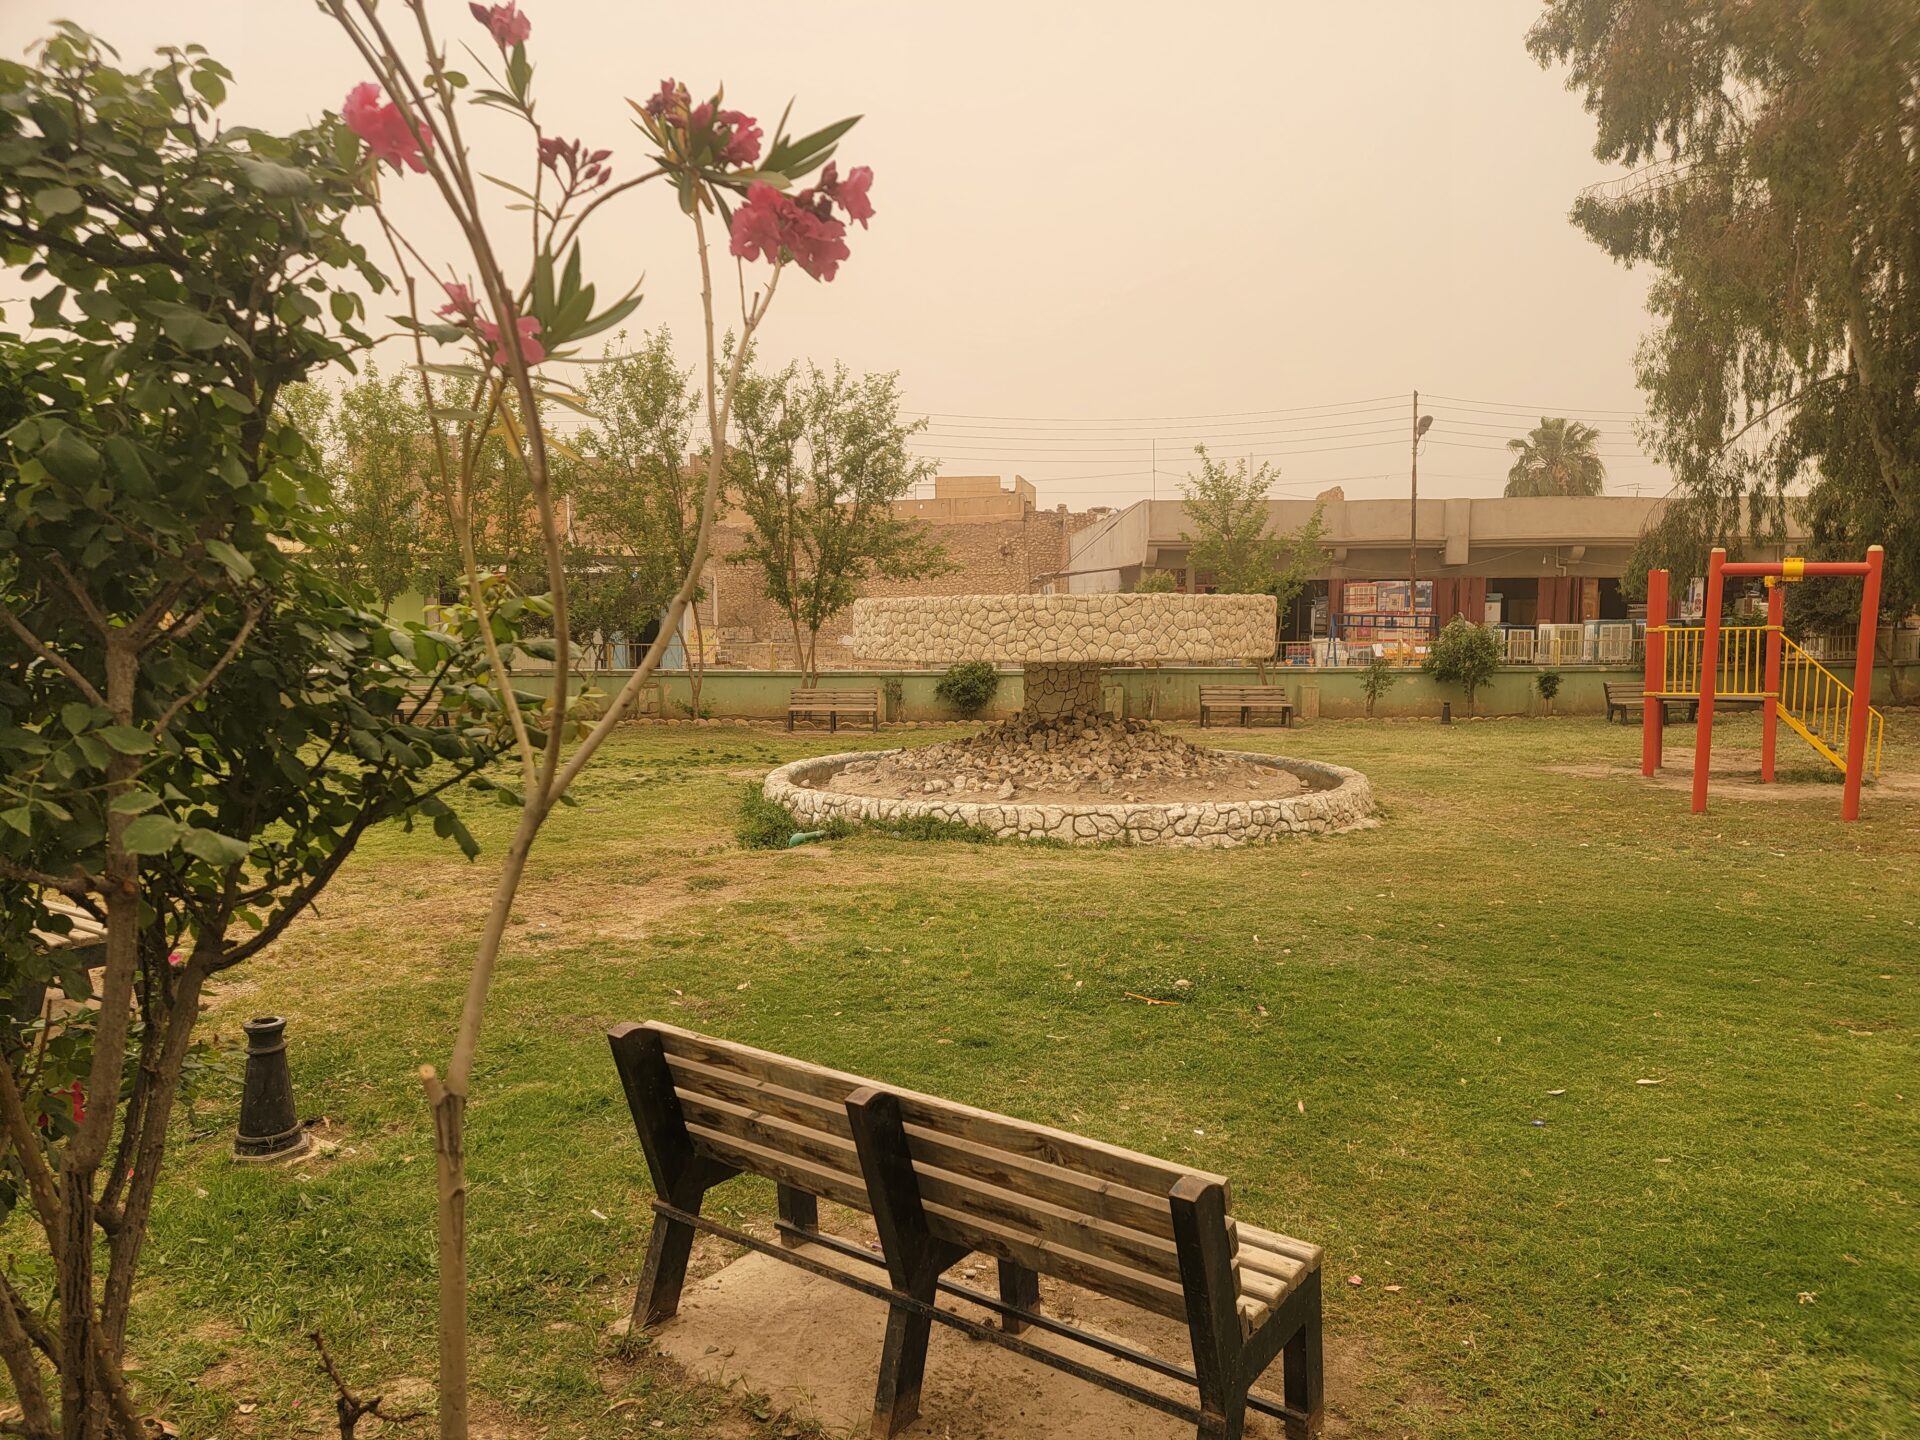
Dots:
pixel 270 178
pixel 126 739
pixel 152 835
pixel 77 715
pixel 20 817
pixel 134 802
pixel 56 200
pixel 345 306
pixel 187 327
pixel 69 457
pixel 570 278
pixel 237 565
pixel 213 847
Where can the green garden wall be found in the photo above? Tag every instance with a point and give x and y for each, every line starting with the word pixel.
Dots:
pixel 1173 692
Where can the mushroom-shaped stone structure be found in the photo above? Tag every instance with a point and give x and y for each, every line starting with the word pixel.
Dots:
pixel 1061 641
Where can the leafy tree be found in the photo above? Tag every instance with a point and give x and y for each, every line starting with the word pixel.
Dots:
pixel 639 490
pixel 374 444
pixel 1377 679
pixel 1557 458
pixel 968 685
pixel 1228 505
pixel 820 459
pixel 197 724
pixel 1156 582
pixel 1775 198
pixel 1464 654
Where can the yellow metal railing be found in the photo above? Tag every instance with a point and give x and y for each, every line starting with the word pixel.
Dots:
pixel 1816 703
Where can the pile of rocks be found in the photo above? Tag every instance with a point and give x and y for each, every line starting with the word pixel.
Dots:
pixel 1071 754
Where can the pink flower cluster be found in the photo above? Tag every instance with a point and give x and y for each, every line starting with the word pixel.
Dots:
pixel 731 135
pixel 803 225
pixel 463 310
pixel 384 128
pixel 507 25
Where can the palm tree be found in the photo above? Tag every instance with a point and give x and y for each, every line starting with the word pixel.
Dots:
pixel 1558 458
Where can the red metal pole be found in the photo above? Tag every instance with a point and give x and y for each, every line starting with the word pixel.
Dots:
pixel 1654 712
pixel 1709 674
pixel 1769 707
pixel 1862 685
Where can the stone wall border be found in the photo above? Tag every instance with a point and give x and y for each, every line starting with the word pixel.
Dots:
pixel 1346 803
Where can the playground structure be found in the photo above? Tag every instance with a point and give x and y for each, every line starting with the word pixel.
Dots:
pixel 1752 664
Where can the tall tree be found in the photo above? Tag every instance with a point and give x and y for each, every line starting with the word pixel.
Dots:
pixel 1558 457
pixel 821 458
pixel 1234 540
pixel 1777 197
pixel 639 490
pixel 374 442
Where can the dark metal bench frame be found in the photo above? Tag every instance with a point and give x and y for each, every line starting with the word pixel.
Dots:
pixel 1226 1363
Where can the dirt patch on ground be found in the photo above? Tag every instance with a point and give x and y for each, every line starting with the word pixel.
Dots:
pixel 1737 774
pixel 759 1327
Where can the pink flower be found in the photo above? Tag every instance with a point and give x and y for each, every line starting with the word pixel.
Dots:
pixel 384 128
pixel 757 229
pixel 771 222
pixel 459 304
pixel 508 25
pixel 531 350
pixel 850 194
pixel 671 96
pixel 818 245
pixel 79 1095
pixel 743 137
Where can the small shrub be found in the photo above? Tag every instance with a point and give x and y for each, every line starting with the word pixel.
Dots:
pixel 1465 654
pixel 763 825
pixel 968 686
pixel 1380 677
pixel 896 692
pixel 1547 682
pixel 1156 582
pixel 928 827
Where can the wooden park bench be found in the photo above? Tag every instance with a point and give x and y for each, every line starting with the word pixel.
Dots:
pixel 943 1181
pixel 1247 699
pixel 1631 702
pixel 833 704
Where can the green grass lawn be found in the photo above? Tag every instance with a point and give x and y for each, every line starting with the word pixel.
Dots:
pixel 1374 1028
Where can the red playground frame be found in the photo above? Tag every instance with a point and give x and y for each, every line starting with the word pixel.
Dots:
pixel 1698 659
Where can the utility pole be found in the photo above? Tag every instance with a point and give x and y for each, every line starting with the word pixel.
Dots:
pixel 1421 423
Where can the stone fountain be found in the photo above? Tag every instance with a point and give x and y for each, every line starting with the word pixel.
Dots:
pixel 1062 769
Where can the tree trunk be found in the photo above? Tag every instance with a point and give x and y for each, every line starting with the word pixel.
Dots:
pixel 696 659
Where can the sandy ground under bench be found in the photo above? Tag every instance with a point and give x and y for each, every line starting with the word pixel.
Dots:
pixel 813 1348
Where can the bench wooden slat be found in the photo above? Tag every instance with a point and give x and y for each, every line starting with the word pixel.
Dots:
pixel 788 1170
pixel 963 1122
pixel 1149 1292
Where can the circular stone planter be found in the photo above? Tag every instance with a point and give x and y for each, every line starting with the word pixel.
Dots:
pixel 1338 799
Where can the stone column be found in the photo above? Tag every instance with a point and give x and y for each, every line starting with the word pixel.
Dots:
pixel 1053 691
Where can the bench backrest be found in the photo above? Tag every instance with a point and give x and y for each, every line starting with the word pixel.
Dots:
pixel 1088 1213
pixel 1614 688
pixel 1239 694
pixel 835 697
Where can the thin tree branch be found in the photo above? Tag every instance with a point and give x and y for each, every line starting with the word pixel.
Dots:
pixel 206 681
pixel 53 658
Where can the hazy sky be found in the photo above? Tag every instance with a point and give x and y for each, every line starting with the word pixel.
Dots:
pixel 1103 233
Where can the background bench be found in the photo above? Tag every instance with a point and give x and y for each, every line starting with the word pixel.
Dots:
pixel 833 704
pixel 942 1181
pixel 1247 699
pixel 1631 702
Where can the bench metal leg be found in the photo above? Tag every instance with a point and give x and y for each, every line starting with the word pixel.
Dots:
pixel 915 1259
pixel 789 722
pixel 680 1177
pixel 833 722
pixel 1018 1286
pixel 798 1209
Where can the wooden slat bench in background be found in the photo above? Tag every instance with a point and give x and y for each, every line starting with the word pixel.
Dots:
pixel 1631 702
pixel 943 1181
pixel 833 704
pixel 1247 699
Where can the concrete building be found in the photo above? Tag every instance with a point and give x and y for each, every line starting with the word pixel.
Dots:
pixel 1531 561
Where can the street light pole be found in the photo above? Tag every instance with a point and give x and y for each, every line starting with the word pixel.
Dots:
pixel 1421 423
